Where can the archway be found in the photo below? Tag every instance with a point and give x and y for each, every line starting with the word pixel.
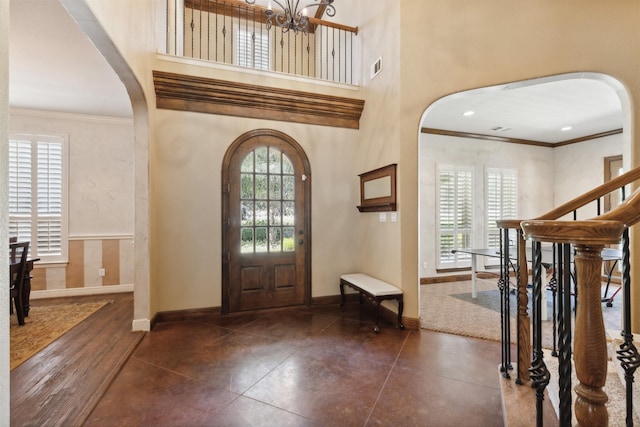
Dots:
pixel 541 163
pixel 82 14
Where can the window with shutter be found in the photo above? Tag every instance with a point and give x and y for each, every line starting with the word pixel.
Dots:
pixel 38 194
pixel 252 49
pixel 455 214
pixel 501 201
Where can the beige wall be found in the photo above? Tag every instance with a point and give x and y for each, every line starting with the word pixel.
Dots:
pixel 189 150
pixel 570 163
pixel 378 251
pixel 100 168
pixel 430 49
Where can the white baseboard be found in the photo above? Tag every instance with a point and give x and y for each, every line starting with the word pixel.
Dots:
pixel 72 292
pixel 141 325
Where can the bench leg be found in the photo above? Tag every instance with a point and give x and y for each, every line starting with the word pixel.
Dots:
pixel 400 308
pixel 376 329
pixel 342 292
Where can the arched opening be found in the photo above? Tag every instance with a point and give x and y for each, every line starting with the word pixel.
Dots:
pixel 529 146
pixel 83 15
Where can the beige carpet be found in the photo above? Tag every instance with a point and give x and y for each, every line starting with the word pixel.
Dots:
pixel 45 324
pixel 613 387
pixel 449 307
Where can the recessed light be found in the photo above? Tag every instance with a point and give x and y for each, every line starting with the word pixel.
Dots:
pixel 566 128
pixel 468 113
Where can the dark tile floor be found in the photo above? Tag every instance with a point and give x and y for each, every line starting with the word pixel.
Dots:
pixel 319 367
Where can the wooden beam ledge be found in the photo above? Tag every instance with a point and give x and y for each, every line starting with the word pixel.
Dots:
pixel 212 96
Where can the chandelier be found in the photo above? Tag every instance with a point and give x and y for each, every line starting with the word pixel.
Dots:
pixel 291 17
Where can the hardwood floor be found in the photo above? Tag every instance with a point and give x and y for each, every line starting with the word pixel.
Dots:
pixel 61 384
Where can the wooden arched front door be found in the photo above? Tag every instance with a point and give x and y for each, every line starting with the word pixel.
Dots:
pixel 266 238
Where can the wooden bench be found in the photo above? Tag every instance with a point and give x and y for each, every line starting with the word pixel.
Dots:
pixel 375 291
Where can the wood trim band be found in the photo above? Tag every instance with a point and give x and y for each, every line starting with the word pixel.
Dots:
pixel 205 95
pixel 390 316
pixel 457 134
pixel 589 137
pixel 242 10
pixel 456 278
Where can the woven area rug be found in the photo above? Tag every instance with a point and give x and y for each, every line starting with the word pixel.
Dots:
pixel 45 324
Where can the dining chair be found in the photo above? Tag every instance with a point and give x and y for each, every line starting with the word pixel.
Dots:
pixel 19 252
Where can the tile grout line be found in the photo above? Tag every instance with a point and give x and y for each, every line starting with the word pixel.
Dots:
pixel 393 365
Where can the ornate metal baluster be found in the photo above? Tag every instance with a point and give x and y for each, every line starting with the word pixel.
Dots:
pixel 333 55
pixel 554 285
pixel 217 30
pixel 539 372
pixel 351 59
pixel 628 353
pixel 200 31
pixel 504 293
pixel 339 55
pixel 507 301
pixel 564 333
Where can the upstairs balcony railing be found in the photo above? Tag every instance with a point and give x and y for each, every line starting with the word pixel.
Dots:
pixel 234 32
pixel 578 252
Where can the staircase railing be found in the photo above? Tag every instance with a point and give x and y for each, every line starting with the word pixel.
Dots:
pixel 577 243
pixel 236 33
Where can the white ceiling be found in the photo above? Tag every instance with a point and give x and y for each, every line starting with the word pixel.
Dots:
pixel 533 110
pixel 54 66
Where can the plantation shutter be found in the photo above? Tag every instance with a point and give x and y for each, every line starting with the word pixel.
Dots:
pixel 20 206
pixel 502 198
pixel 49 175
pixel 37 194
pixel 455 214
pixel 252 50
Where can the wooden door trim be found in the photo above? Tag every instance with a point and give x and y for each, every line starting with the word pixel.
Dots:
pixel 225 208
pixel 607 177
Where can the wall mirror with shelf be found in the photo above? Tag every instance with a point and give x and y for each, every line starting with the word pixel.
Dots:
pixel 378 189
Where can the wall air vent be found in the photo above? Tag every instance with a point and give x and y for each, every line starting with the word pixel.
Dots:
pixel 376 68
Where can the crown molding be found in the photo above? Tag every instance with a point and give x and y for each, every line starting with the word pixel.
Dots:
pixel 62 115
pixel 457 134
pixel 212 96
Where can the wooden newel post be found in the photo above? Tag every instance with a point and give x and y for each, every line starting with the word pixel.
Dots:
pixel 589 339
pixel 590 346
